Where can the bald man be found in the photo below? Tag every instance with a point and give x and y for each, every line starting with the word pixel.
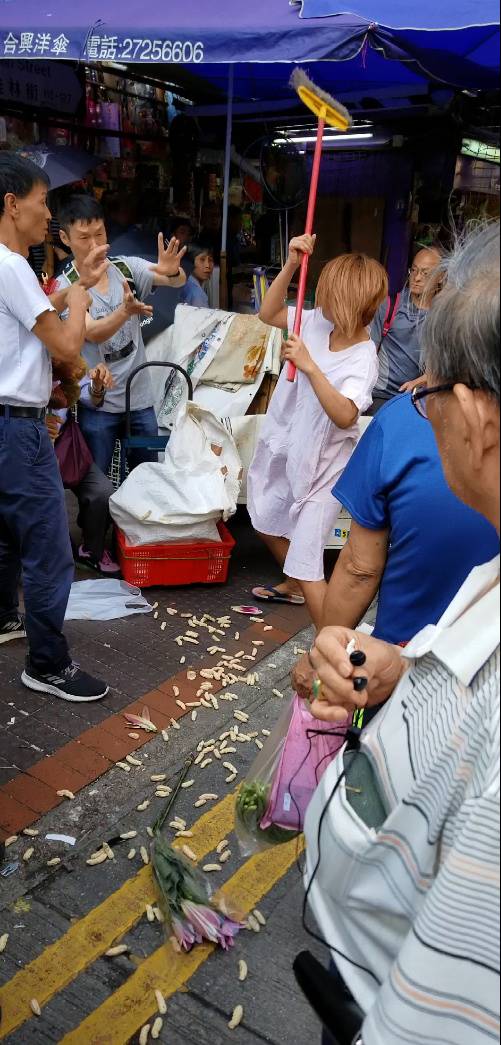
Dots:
pixel 399 355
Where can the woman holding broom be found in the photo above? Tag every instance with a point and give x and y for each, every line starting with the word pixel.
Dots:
pixel 311 426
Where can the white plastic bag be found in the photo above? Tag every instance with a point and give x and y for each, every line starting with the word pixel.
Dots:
pixel 198 481
pixel 105 600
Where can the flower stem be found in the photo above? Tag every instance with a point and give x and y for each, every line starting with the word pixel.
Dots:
pixel 160 821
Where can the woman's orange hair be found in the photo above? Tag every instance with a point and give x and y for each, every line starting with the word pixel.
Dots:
pixel 350 290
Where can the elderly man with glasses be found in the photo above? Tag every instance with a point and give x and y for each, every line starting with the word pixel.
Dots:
pixel 403 833
pixel 398 325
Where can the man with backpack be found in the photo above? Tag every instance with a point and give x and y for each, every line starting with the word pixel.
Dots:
pixel 397 327
pixel 113 334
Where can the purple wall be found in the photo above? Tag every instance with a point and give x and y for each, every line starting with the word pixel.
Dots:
pixel 372 173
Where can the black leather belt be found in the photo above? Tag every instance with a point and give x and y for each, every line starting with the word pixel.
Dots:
pixel 35 412
pixel 120 353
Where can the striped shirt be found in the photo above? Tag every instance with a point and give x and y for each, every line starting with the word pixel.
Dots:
pixel 414 898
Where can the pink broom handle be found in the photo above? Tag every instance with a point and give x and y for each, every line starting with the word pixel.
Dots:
pixel 310 217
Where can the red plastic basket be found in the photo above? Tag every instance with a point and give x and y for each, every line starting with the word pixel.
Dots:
pixel 169 565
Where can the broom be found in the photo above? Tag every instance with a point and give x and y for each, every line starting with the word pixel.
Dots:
pixel 328 112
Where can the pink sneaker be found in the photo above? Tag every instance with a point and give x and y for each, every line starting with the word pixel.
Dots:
pixel 107 564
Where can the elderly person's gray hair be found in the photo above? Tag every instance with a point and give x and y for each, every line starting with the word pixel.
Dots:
pixel 462 329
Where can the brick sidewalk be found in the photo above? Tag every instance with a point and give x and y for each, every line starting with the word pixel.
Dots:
pixel 47 745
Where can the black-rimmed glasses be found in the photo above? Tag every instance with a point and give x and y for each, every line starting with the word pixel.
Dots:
pixel 419 397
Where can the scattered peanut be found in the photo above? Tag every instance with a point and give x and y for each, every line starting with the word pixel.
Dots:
pixel 144 855
pixel 128 834
pixel 113 952
pixel 222 845
pixel 150 914
pixel 31 832
pixel 142 806
pixel 28 854
pixel 35 1007
pixel 97 858
pixel 4 939
pixel 131 854
pixel 54 862
pixel 161 1006
pixel 225 856
pixel 236 1019
pixel 144 1034
pixel 11 840
pixel 259 917
pixel 123 765
pixel 243 971
pixel 252 923
pixel 189 853
pixel 158 777
pixel 241 716
pixel 211 867
pixel 64 793
pixel 133 761
pixel 188 783
pixel 157 1027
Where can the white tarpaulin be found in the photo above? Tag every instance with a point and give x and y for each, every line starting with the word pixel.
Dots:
pixel 197 484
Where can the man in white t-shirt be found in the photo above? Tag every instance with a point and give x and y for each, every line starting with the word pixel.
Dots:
pixel 34 539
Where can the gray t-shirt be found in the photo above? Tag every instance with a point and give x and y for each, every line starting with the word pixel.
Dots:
pixel 129 333
pixel 399 356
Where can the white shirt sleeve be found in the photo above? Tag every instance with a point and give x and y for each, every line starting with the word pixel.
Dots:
pixel 21 292
pixel 358 386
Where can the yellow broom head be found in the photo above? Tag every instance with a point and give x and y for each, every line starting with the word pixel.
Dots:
pixel 322 104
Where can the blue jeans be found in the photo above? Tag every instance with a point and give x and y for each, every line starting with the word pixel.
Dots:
pixel 34 539
pixel 101 430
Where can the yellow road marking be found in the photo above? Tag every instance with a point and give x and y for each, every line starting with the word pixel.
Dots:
pixel 90 937
pixel 132 1005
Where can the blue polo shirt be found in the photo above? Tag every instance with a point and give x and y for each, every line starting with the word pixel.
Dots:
pixel 395 480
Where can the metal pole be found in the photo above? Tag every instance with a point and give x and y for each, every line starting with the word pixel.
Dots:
pixel 226 189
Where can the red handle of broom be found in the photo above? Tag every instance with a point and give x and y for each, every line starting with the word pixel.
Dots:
pixel 310 218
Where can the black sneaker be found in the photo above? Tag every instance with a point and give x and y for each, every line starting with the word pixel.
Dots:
pixel 13 629
pixel 71 684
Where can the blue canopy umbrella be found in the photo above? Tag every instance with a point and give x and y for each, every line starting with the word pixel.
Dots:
pixel 455 41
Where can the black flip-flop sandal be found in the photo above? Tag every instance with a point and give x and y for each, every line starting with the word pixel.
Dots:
pixel 277 596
